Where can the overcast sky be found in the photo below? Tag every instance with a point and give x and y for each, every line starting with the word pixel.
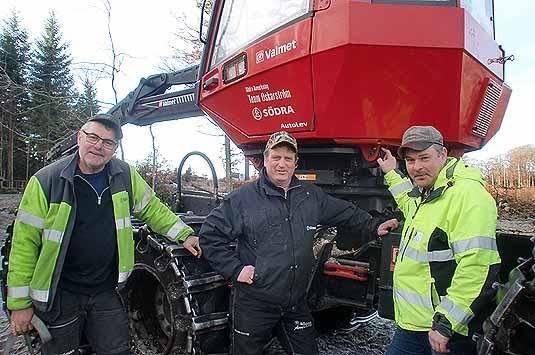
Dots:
pixel 144 31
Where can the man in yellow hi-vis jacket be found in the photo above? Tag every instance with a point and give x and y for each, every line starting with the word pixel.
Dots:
pixel 448 259
pixel 73 244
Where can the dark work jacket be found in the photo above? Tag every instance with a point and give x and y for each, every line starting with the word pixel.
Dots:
pixel 274 231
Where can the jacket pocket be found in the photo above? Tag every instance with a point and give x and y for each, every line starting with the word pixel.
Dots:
pixel 266 273
pixel 50 317
pixel 265 224
pixel 64 311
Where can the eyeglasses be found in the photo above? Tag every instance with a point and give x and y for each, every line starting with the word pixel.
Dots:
pixel 93 138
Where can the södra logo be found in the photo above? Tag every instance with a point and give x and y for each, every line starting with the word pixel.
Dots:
pixel 271 112
pixel 257 114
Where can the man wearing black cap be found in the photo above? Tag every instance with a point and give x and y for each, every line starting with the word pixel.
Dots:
pixel 73 245
pixel 448 259
pixel 274 221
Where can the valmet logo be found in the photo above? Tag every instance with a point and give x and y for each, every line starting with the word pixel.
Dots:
pixel 267 54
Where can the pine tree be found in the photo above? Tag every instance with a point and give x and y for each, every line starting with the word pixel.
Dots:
pixel 87 105
pixel 53 95
pixel 14 98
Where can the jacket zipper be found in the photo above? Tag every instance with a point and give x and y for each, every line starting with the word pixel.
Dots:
pixel 408 241
pixel 61 256
pixel 287 204
pixel 99 197
pixel 290 188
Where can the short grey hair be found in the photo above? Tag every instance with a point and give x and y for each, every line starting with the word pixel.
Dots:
pixel 86 125
pixel 438 147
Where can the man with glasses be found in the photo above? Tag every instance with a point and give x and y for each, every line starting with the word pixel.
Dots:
pixel 274 221
pixel 73 245
pixel 448 259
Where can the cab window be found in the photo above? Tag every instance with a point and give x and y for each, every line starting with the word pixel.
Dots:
pixel 244 21
pixel 482 11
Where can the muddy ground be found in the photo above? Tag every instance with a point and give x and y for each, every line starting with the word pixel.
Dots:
pixel 371 338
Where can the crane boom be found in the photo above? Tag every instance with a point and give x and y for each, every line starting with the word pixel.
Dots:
pixel 153 100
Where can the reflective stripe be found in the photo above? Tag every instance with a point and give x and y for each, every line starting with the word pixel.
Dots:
pixel 440 255
pixel 401 188
pixel 30 219
pixel 52 235
pixel 122 223
pixel 476 242
pixel 413 298
pixel 430 256
pixel 18 291
pixel 123 276
pixel 144 201
pixel 175 229
pixel 401 245
pixel 414 254
pixel 39 295
pixel 455 311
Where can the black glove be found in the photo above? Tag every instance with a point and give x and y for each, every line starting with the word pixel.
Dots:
pixel 442 325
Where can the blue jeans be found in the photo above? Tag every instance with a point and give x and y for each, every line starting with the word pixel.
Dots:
pixel 406 342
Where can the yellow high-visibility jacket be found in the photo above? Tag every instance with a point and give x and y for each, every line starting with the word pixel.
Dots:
pixel 448 259
pixel 45 220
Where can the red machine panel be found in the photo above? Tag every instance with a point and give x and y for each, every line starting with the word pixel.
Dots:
pixel 357 73
pixel 276 93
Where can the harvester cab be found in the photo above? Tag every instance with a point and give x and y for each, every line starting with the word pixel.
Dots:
pixel 353 73
pixel 345 78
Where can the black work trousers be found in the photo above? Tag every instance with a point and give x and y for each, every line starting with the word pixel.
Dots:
pixel 254 323
pixel 102 318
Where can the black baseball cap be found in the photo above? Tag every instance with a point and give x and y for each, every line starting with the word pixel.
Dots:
pixel 109 121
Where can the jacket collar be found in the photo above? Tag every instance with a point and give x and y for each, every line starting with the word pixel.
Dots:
pixel 447 172
pixel 445 179
pixel 271 189
pixel 69 170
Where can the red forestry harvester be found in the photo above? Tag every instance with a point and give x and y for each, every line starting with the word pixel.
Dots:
pixel 345 78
